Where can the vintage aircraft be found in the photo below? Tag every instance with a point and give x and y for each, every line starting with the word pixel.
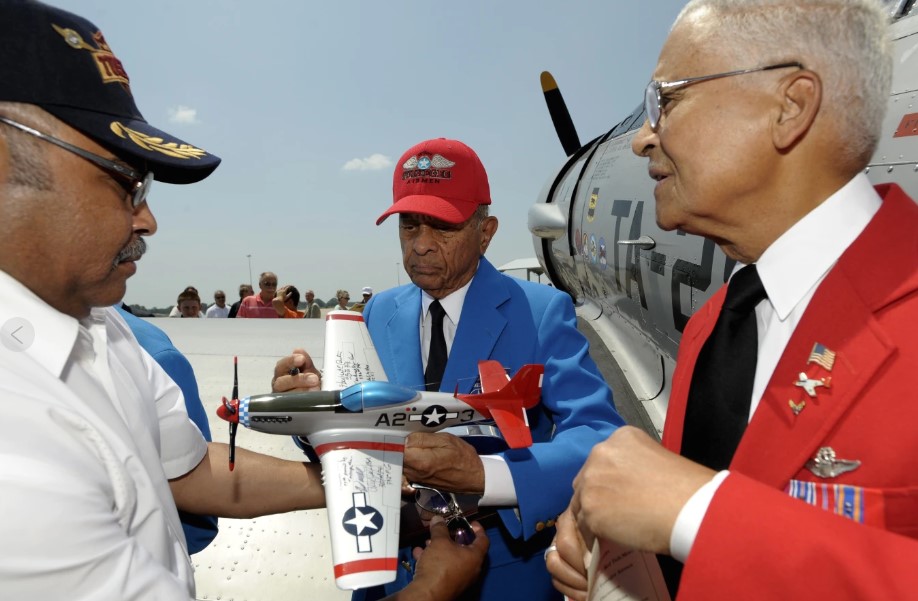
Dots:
pixel 596 237
pixel 359 430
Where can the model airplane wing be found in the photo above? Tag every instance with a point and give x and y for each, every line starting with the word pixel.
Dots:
pixel 362 476
pixel 350 356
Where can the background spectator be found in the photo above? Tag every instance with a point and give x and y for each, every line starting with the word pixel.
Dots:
pixel 189 304
pixel 244 291
pixel 367 295
pixel 342 296
pixel 260 305
pixel 313 310
pixel 285 302
pixel 176 311
pixel 219 308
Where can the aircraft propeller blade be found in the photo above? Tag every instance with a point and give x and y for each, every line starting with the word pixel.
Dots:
pixel 564 125
pixel 234 425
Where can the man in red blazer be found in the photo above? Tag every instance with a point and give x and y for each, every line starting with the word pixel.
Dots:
pixel 761 117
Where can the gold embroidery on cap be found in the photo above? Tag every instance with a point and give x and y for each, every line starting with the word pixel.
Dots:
pixel 178 151
pixel 110 68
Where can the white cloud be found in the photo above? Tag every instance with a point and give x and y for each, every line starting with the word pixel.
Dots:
pixel 183 114
pixel 374 162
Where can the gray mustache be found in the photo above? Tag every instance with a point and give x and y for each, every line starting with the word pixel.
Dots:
pixel 132 252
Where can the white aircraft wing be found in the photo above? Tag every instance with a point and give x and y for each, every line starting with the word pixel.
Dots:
pixel 350 356
pixel 362 474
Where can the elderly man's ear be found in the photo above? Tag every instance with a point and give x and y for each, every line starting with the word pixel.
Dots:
pixel 800 98
pixel 488 229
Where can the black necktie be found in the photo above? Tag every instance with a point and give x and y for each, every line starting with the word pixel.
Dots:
pixel 436 358
pixel 721 390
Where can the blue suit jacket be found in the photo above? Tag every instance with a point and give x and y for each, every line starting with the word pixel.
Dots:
pixel 199 530
pixel 515 322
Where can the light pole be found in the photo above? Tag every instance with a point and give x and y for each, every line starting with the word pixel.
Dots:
pixel 249 257
pixel 398 273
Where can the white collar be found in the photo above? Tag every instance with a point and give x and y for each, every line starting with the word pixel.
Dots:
pixel 798 260
pixel 55 333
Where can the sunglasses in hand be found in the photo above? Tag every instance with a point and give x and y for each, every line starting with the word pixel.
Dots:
pixel 444 504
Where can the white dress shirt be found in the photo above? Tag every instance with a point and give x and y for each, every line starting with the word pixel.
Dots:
pixel 215 311
pixel 499 490
pixel 791 270
pixel 95 428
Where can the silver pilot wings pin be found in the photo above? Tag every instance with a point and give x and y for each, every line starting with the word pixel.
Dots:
pixel 826 465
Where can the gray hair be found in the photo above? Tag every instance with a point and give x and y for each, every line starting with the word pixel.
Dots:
pixel 28 166
pixel 481 213
pixel 846 42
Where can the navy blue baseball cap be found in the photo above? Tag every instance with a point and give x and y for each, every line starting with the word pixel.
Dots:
pixel 61 62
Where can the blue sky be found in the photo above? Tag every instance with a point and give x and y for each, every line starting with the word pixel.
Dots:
pixel 311 103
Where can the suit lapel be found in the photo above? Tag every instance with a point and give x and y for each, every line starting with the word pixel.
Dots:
pixel 694 337
pixel 402 336
pixel 481 325
pixel 777 442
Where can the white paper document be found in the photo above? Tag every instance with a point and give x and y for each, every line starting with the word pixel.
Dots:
pixel 617 573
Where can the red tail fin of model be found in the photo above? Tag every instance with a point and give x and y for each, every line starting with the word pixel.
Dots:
pixel 506 402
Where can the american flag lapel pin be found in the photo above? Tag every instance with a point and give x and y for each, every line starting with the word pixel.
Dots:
pixel 821 355
pixel 824 357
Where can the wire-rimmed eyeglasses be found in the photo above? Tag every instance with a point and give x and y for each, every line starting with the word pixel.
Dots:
pixel 136 184
pixel 653 97
pixel 445 505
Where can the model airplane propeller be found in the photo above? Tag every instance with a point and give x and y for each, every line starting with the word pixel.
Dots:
pixel 359 435
pixel 233 425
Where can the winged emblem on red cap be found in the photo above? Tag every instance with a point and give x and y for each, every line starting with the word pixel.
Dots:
pixel 437 161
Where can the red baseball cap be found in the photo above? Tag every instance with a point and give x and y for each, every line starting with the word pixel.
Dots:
pixel 441 178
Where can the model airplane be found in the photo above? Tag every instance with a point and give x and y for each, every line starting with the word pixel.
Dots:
pixel 359 434
pixel 596 237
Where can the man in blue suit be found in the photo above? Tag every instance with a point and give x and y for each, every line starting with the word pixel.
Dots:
pixel 441 196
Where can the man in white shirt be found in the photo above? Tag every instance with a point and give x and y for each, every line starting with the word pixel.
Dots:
pixel 99 451
pixel 219 308
pixel 761 117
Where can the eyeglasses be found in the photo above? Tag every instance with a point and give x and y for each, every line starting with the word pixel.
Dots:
pixel 138 185
pixel 269 284
pixel 445 505
pixel 653 98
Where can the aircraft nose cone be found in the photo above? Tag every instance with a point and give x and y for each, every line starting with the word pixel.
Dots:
pixel 228 412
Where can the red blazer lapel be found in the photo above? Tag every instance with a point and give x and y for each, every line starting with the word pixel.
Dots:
pixel 777 442
pixel 841 316
pixel 695 335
